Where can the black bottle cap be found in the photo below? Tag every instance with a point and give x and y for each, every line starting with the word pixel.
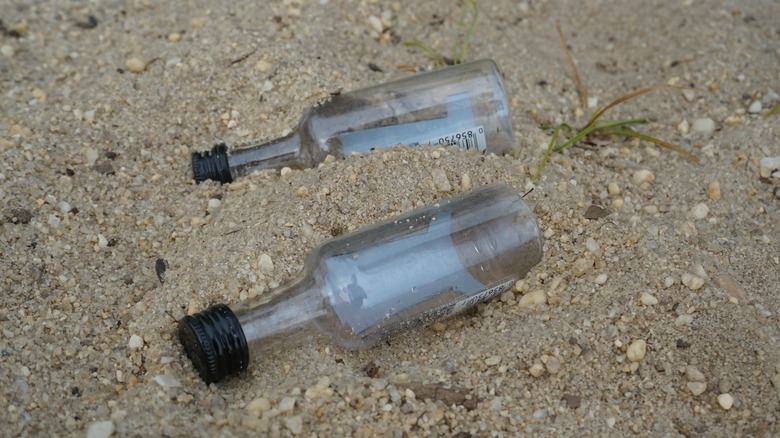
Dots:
pixel 214 341
pixel 212 165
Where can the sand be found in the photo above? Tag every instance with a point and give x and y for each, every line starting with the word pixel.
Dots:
pixel 659 319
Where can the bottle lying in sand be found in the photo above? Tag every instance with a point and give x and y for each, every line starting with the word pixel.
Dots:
pixel 363 287
pixel 464 105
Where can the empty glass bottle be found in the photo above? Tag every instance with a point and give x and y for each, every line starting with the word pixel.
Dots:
pixel 362 287
pixel 464 105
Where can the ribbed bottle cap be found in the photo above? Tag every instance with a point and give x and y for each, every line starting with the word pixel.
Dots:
pixel 212 165
pixel 214 341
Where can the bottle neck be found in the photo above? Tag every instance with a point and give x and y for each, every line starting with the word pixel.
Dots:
pixel 281 152
pixel 286 319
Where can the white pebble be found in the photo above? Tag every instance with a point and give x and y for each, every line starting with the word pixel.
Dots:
pixel 532 298
pixel 601 279
pixel 648 299
pixel 294 424
pixel 53 220
pixel 7 51
pixel 553 365
pixel 136 342
pixel 100 429
pixel 285 171
pixel 755 107
pixel 697 388
pixel 287 404
pixel 768 165
pixel 692 281
pixel 258 405
pixel 693 374
pixel 375 23
pixel 440 180
pixel 102 242
pixel 636 351
pixel 65 207
pixel 643 176
pixel 493 360
pixel 613 188
pixel 167 381
pixel 700 211
pixel 726 401
pixel 581 266
pixel 90 155
pixel 593 246
pixel 263 66
pixel 537 370
pixel 683 320
pixel 135 65
pixel 265 263
pixel 214 204
pixel 25 371
pixel 704 126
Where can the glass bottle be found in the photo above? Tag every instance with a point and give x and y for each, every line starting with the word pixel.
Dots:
pixel 362 287
pixel 463 105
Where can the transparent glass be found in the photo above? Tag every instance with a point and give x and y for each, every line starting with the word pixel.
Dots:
pixel 464 105
pixel 365 286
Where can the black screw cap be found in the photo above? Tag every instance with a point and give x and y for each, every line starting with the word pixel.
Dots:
pixel 214 341
pixel 212 165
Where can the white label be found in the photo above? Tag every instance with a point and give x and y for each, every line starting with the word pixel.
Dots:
pixel 472 138
pixel 480 297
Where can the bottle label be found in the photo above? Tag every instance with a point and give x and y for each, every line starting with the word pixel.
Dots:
pixel 472 138
pixel 485 295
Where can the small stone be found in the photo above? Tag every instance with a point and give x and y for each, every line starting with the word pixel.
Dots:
pixel 465 181
pixel 636 351
pixel 755 107
pixel 174 37
pixel 601 279
pixel 7 51
pixel 647 299
pixel 726 401
pixel 198 22
pixel 532 298
pixel 167 381
pixel 25 371
pixel 287 404
pixel 65 207
pixel 438 326
pixel 704 126
pixel 91 156
pixel 693 374
pixel 294 424
pixel 39 95
pixel 375 23
pixel 136 342
pixel 506 296
pixel 768 165
pixel 263 66
pixel 103 243
pixel 265 263
pixel 18 216
pixel 683 127
pixel 286 171
pixel 101 429
pixel 493 361
pixel 713 191
pixel 135 65
pixel 553 365
pixel 572 401
pixel 593 246
pixel 697 388
pixel 213 204
pixel 105 168
pixel 692 281
pixel 302 191
pixel 643 176
pixel 689 94
pixel 537 370
pixel 613 188
pixel 258 406
pixel 440 180
pixel 683 320
pixel 700 211
pixel 581 266
pixel 775 380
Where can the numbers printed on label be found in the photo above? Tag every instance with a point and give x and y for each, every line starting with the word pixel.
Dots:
pixel 472 138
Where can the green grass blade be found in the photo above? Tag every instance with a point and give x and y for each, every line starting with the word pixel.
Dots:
pixel 547 152
pixel 437 58
pixel 661 143
pixel 773 111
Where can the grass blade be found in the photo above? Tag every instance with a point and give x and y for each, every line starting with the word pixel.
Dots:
pixel 547 152
pixel 581 91
pixel 773 111
pixel 661 143
pixel 624 98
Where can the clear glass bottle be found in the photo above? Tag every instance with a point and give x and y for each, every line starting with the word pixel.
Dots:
pixel 463 105
pixel 362 287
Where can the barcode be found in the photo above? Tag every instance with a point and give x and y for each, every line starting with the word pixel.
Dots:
pixel 472 138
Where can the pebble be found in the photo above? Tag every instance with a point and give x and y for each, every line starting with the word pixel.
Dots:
pixel 25 371
pixel 697 388
pixel 683 127
pixel 287 404
pixel 65 207
pixel 265 263
pixel 493 361
pixel 537 370
pixel 553 365
pixel 593 246
pixel 775 380
pixel 648 299
pixel 601 279
pixel 91 156
pixel 532 298
pixel 136 342
pixel 258 406
pixel 101 429
pixel 167 381
pixel 755 107
pixel 7 51
pixel 438 326
pixel 683 320
pixel 636 351
pixel 135 65
pixel 294 424
pixel 767 165
pixel 174 37
pixel 213 205
pixel 465 181
pixel 693 374
pixel 726 401
pixel 713 191
pixel 285 171
pixel 613 188
pixel 440 180
pixel 581 266
pixel 692 281
pixel 704 126
pixel 263 66
pixel 643 176
pixel 700 211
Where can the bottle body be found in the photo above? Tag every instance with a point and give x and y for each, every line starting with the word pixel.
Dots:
pixel 363 287
pixel 463 105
